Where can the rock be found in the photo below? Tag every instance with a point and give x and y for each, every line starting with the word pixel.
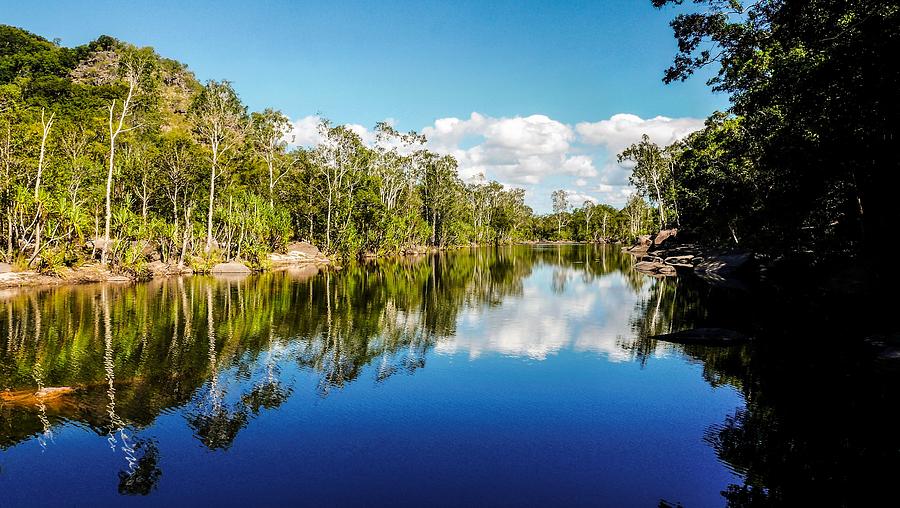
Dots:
pixel 680 260
pixel 157 267
pixel 644 240
pixel 705 337
pixel 303 249
pixel 885 347
pixel 723 265
pixel 5 268
pixel 666 270
pixel 645 266
pixel 233 267
pixel 150 253
pixel 665 236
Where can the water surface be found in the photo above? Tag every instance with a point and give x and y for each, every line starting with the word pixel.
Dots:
pixel 507 376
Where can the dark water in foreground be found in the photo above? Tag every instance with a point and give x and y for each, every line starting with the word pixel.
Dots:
pixel 514 376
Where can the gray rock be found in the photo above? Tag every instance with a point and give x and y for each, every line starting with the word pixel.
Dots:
pixel 723 265
pixel 664 236
pixel 303 249
pixel 233 267
pixel 705 337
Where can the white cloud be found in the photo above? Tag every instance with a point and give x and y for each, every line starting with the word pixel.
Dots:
pixel 520 150
pixel 580 165
pixel 305 131
pixel 623 129
pixel 576 198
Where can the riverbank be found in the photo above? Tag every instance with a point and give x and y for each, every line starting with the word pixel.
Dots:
pixel 297 256
pixel 663 255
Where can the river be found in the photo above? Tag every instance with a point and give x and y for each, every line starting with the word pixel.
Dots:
pixel 517 376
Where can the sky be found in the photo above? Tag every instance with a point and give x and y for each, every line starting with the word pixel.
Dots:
pixel 539 95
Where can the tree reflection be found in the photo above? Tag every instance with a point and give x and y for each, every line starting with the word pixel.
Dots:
pixel 142 475
pixel 216 350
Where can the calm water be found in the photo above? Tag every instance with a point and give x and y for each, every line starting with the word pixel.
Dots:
pixel 514 376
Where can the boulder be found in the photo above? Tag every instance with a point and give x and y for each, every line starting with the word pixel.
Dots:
pixel 723 265
pixel 303 249
pixel 233 267
pixel 664 236
pixel 666 270
pixel 5 267
pixel 150 253
pixel 644 241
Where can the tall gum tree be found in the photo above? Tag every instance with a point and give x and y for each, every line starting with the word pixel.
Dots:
pixel 269 132
pixel 220 121
pixel 650 173
pixel 116 125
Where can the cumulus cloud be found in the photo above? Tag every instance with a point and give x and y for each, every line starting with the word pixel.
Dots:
pixel 623 129
pixel 577 198
pixel 520 150
pixel 305 131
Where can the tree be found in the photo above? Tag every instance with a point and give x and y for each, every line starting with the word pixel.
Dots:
pixel 560 200
pixel 588 208
pixel 650 173
pixel 219 121
pixel 815 105
pixel 337 160
pixel 269 133
pixel 132 76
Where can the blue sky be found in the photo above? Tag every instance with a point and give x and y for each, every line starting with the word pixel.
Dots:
pixel 531 71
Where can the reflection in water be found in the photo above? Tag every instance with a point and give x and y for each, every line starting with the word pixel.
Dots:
pixel 215 351
pixel 186 342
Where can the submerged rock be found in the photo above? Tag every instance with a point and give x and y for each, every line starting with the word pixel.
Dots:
pixel 705 337
pixel 31 398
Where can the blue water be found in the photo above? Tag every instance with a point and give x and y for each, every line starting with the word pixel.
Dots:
pixel 534 399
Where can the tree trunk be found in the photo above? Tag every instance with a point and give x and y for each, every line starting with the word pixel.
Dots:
pixel 328 225
pixel 212 197
pixel 46 132
pixel 109 176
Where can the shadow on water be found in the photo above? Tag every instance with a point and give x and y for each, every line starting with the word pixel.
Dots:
pixel 815 424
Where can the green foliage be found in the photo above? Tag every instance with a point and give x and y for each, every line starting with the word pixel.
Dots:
pixel 805 160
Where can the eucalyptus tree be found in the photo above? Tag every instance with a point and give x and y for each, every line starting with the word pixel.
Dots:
pixel 650 173
pixel 220 121
pixel 338 161
pixel 387 164
pixel 133 71
pixel 560 199
pixel 269 135
pixel 441 190
pixel 46 125
pixel 588 210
